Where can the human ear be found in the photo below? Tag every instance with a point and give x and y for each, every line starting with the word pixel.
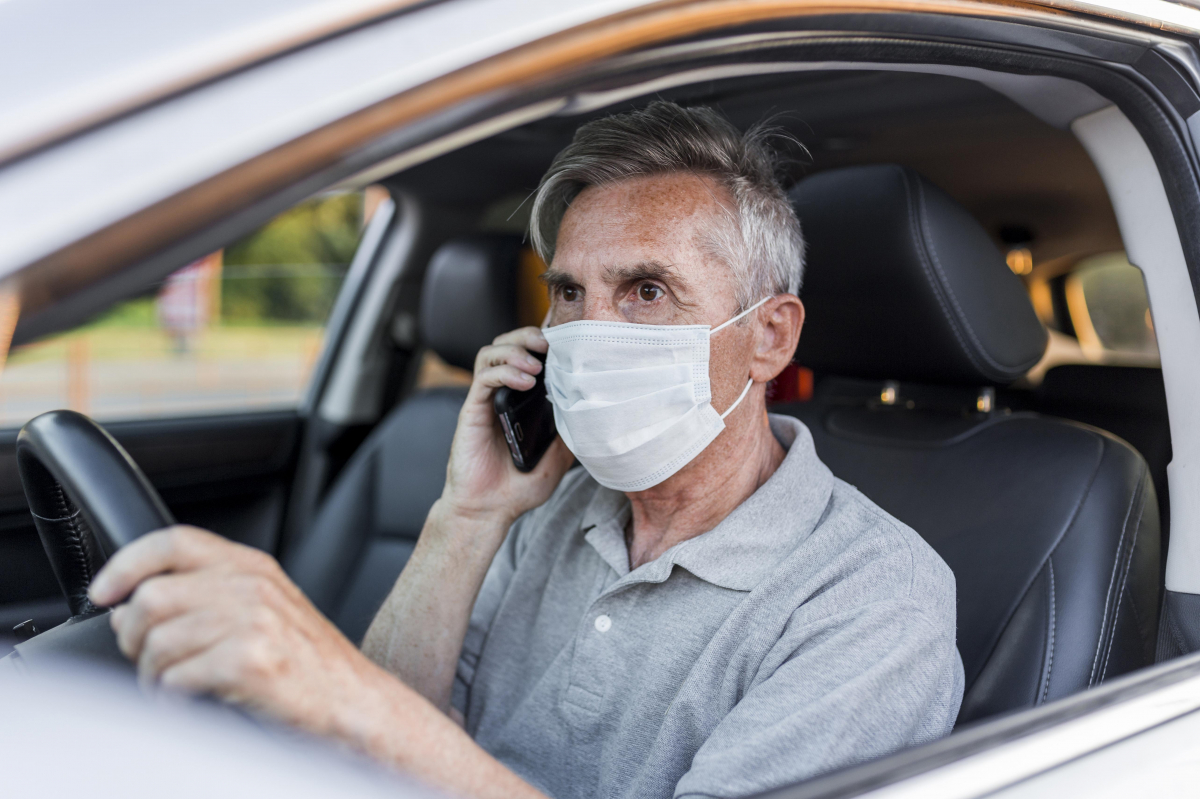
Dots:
pixel 780 320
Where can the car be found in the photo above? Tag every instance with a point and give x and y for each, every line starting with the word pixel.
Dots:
pixel 137 747
pixel 260 243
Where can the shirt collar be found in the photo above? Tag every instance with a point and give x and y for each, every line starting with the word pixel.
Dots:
pixel 746 544
pixel 604 522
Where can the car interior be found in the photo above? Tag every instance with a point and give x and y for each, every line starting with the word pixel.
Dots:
pixel 948 369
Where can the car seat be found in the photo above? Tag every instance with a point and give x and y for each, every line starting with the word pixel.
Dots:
pixel 1051 527
pixel 1128 401
pixel 365 530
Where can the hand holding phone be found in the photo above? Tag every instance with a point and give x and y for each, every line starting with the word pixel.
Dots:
pixel 527 418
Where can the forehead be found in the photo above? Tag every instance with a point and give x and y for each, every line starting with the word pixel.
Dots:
pixel 664 218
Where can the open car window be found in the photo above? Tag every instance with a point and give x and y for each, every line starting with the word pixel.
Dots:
pixel 239 329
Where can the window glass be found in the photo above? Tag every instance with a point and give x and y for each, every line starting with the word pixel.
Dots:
pixel 1110 310
pixel 237 330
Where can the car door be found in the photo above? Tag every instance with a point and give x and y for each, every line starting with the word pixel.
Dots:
pixel 201 376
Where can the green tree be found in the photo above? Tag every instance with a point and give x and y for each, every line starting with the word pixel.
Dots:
pixel 289 270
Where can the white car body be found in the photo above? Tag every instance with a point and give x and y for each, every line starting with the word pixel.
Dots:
pixel 139 133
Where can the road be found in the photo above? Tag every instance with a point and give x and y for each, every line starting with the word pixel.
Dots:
pixel 154 381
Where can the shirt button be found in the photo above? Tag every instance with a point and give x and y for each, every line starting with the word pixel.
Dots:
pixel 603 623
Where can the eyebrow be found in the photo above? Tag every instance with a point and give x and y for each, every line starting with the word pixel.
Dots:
pixel 616 275
pixel 646 270
pixel 555 279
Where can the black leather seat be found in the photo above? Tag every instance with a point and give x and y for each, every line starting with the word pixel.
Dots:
pixel 367 526
pixel 1051 527
pixel 1128 401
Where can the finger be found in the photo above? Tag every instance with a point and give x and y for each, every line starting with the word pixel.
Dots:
pixel 530 338
pixel 234 669
pixel 175 548
pixel 510 354
pixel 208 670
pixel 180 638
pixel 157 600
pixel 487 381
pixel 239 596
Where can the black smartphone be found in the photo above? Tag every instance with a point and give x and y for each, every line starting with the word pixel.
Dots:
pixel 527 418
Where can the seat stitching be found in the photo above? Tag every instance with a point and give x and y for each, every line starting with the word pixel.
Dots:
pixel 1137 531
pixel 1108 593
pixel 1058 540
pixel 1110 638
pixel 1105 627
pixel 1124 580
pixel 1125 593
pixel 961 319
pixel 921 234
pixel 1050 638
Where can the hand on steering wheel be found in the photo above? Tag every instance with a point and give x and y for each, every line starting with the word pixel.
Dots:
pixel 88 499
pixel 205 615
pixel 199 612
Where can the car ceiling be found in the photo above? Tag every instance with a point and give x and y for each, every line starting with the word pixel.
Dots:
pixel 1010 169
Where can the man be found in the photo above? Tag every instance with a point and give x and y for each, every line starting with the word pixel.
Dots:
pixel 701 609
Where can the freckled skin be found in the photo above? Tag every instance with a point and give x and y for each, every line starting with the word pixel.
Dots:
pixel 665 219
pixel 199 613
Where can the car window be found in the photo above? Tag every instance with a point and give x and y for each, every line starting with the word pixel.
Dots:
pixel 1109 308
pixel 237 330
pixel 1097 312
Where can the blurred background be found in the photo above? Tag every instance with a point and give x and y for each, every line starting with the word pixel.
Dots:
pixel 238 329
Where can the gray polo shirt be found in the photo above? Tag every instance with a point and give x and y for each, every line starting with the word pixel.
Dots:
pixel 808 630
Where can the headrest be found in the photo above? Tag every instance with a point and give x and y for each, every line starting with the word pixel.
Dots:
pixel 902 283
pixel 469 296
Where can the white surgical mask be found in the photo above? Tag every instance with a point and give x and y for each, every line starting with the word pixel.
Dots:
pixel 633 402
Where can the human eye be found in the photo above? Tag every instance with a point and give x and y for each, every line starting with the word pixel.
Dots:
pixel 569 293
pixel 649 292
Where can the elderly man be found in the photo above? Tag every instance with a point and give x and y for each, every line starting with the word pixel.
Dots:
pixel 700 609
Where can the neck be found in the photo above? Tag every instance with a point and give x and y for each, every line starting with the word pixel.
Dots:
pixel 698 497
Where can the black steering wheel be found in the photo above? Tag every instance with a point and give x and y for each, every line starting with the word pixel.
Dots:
pixel 88 499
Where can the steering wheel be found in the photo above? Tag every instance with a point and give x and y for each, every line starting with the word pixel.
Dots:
pixel 88 499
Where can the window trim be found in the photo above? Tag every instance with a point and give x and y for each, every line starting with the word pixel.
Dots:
pixel 995 754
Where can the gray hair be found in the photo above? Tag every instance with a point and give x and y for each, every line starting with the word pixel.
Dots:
pixel 761 242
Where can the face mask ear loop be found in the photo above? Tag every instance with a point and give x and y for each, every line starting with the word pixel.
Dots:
pixel 749 382
pixel 741 397
pixel 739 316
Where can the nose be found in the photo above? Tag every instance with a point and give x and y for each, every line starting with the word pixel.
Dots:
pixel 598 308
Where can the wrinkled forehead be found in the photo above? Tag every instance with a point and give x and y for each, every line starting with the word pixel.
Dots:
pixel 674 221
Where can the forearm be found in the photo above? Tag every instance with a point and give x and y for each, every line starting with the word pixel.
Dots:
pixel 392 725
pixel 418 633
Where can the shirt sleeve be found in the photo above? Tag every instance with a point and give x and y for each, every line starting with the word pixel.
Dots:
pixel 847 689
